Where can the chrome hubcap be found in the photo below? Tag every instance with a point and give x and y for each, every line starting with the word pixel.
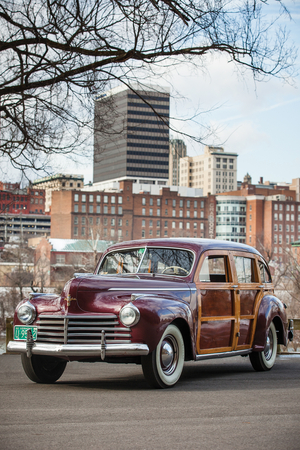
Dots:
pixel 268 350
pixel 169 355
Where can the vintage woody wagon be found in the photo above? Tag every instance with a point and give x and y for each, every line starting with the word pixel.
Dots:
pixel 157 303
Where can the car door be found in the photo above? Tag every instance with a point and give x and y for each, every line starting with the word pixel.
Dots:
pixel 218 309
pixel 249 293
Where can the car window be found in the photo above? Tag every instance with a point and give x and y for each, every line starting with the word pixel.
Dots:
pixel 168 261
pixel 264 273
pixel 213 269
pixel 245 269
pixel 122 261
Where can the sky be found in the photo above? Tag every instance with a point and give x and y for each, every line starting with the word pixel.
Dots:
pixel 259 121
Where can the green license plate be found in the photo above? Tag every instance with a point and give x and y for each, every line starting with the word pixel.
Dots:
pixel 20 332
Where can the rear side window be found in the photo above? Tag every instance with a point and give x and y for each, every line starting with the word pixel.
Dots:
pixel 245 269
pixel 264 273
pixel 214 269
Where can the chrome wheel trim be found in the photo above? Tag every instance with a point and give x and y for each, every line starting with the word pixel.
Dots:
pixel 268 350
pixel 169 355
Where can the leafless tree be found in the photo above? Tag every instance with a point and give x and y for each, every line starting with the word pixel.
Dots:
pixel 21 275
pixel 56 55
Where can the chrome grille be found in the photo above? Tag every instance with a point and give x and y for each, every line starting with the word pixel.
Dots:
pixel 81 330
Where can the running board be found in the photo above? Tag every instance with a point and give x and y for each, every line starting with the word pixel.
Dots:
pixel 223 354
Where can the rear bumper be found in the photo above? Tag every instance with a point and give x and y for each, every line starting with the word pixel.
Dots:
pixel 73 350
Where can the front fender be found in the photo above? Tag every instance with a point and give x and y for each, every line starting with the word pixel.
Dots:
pixel 156 315
pixel 270 310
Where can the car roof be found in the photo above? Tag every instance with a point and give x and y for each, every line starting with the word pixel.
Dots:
pixel 195 244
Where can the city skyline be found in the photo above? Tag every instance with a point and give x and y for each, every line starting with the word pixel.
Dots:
pixel 258 121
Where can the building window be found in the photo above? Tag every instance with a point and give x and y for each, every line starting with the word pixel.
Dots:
pixel 287 217
pixel 60 259
pixel 188 225
pixel 275 227
pixel 202 204
pixel 105 209
pixel 98 209
pixel 113 222
pixel 83 220
pixel 158 202
pixel 120 200
pixel 112 232
pixel 105 199
pixel 158 212
pixel 202 226
pixel 195 225
pixel 143 201
pixel 113 199
pixel 143 211
pixel 143 233
pixel 91 198
pixel 181 225
pixel 83 198
pixel 76 208
pixel 120 210
pixel 188 204
pixel 188 214
pixel 275 239
pixel 166 224
pixel 91 209
pixel 105 221
pixel 83 208
pixel 280 216
pixel 113 210
pixel 75 231
pixel 195 204
pixel 98 198
pixel 143 223
pixel 82 231
pixel 76 220
pixel 91 220
pixel 174 213
pixel 195 214
pixel 76 198
pixel 174 203
pixel 120 222
pixel 158 223
pixel 181 203
pixel 180 213
pixel 166 201
pixel 166 212
pixel 151 201
pixel 173 224
pixel 150 212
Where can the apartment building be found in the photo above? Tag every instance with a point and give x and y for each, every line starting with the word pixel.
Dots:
pixel 215 171
pixel 58 182
pixel 124 215
pixel 131 133
pixel 267 219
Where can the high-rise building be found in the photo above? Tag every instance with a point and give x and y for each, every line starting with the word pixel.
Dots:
pixel 177 151
pixel 215 171
pixel 131 135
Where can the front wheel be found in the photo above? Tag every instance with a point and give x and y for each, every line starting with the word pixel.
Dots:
pixel 43 369
pixel 265 360
pixel 163 367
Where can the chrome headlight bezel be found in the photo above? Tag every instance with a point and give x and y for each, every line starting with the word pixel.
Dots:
pixel 26 313
pixel 129 315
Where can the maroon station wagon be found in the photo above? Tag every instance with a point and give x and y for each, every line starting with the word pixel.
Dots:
pixel 158 303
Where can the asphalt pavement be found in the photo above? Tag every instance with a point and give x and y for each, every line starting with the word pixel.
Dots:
pixel 217 405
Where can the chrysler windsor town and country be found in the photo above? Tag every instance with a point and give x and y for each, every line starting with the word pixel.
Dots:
pixel 157 303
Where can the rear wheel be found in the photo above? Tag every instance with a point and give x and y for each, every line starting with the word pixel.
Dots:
pixel 265 360
pixel 163 367
pixel 43 369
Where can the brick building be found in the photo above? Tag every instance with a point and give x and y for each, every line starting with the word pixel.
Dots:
pixel 26 201
pixel 123 215
pixel 56 260
pixel 264 217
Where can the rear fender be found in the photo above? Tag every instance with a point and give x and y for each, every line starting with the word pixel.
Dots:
pixel 270 310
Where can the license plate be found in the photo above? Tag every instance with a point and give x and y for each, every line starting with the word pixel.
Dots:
pixel 20 332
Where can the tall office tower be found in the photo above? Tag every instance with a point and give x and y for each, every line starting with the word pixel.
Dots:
pixel 214 171
pixel 177 151
pixel 131 137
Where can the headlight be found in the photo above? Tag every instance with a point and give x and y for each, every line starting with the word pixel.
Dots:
pixel 26 313
pixel 129 315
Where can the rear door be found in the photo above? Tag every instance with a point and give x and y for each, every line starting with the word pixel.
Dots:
pixel 218 308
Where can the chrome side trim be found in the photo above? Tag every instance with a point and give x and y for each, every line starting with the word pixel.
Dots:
pixel 69 350
pixel 223 354
pixel 150 289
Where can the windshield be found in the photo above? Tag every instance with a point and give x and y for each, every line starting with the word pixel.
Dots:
pixel 168 261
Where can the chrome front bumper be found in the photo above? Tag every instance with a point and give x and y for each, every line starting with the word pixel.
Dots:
pixel 70 350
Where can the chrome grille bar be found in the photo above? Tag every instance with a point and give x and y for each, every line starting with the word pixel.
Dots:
pixel 81 330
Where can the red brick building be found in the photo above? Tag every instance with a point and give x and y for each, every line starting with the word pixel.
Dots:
pixel 123 215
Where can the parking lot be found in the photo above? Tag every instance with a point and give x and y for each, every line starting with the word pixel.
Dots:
pixel 218 404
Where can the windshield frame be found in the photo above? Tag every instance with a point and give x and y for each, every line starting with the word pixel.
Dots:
pixel 146 247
